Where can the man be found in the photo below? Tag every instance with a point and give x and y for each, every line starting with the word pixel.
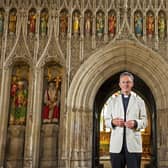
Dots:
pixel 126 116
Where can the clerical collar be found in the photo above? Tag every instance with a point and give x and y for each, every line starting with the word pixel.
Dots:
pixel 126 96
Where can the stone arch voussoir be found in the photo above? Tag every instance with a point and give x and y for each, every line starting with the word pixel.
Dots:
pixel 143 62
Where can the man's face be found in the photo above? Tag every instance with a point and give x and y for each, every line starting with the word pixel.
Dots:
pixel 126 84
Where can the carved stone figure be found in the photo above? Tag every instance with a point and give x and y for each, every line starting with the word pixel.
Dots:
pixel 88 23
pixel 63 23
pixel 43 23
pixel 138 21
pixel 12 22
pixel 32 22
pixel 76 23
pixel 150 25
pixel 51 103
pixel 112 24
pixel 161 25
pixel 19 96
pixel 100 24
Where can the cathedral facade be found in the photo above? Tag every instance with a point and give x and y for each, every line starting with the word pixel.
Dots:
pixel 55 58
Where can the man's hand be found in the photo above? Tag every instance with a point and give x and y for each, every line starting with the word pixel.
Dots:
pixel 130 124
pixel 118 122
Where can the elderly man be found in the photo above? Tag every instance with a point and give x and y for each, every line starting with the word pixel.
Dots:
pixel 126 116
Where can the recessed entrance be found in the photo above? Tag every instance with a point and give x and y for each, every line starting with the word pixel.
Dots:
pixel 101 137
pixel 97 80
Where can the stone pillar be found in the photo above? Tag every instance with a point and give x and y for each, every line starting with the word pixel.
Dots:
pixel 162 138
pixel 94 31
pixel 68 51
pixel 36 116
pixel 144 26
pixel 80 142
pixel 15 146
pixel 28 130
pixel 81 37
pixel 4 108
pixel 132 29
pixel 156 32
pixel 49 146
pixel 118 22
pixel 106 27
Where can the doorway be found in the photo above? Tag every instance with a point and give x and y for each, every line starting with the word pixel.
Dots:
pixel 108 88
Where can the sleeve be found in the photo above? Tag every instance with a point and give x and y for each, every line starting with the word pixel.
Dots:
pixel 108 115
pixel 142 120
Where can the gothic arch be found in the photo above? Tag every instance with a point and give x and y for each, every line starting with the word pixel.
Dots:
pixel 16 58
pixel 125 55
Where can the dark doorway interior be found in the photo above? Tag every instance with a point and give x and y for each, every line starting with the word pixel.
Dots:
pixel 106 90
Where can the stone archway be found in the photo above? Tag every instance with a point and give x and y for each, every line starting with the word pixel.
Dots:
pixel 113 58
pixel 100 154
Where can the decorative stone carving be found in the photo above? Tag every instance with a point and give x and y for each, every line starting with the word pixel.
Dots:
pixel 19 95
pixel 63 23
pixel 52 94
pixel 71 40
pixel 12 21
pixel 44 22
pixel 32 22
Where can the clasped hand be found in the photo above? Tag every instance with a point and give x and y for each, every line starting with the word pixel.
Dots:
pixel 121 123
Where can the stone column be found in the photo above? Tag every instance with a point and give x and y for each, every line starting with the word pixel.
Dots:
pixel 156 31
pixel 94 31
pixel 81 37
pixel 28 130
pixel 36 116
pixel 4 37
pixel 162 137
pixel 106 27
pixel 144 26
pixel 37 33
pixel 68 51
pixel 80 143
pixel 4 110
pixel 118 24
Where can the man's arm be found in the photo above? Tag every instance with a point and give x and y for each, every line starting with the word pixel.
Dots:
pixel 142 121
pixel 108 116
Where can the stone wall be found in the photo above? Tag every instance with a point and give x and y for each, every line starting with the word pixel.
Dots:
pixel 87 61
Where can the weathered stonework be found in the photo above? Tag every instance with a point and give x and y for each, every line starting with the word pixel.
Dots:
pixel 87 61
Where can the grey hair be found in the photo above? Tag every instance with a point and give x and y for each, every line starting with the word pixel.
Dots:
pixel 127 74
